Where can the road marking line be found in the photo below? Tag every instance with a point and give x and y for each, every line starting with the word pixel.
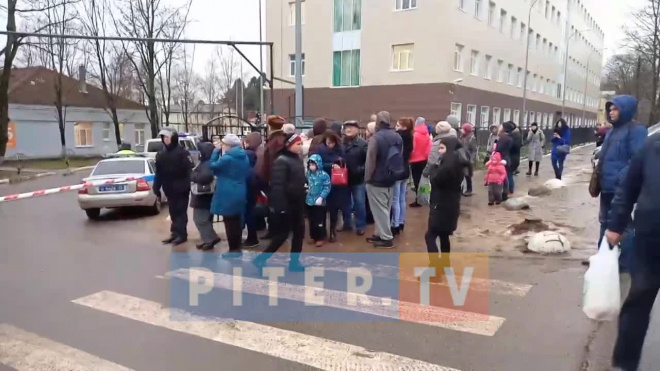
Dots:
pixel 24 350
pixel 452 319
pixel 388 271
pixel 297 347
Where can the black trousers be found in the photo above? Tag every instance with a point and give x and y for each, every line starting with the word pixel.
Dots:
pixel 285 224
pixel 431 241
pixel 178 208
pixel 234 231
pixel 416 168
pixel 317 217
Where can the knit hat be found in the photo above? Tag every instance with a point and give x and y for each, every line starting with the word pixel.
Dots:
pixel 454 121
pixel 275 122
pixel 467 128
pixel 231 140
pixel 509 126
pixel 289 128
pixel 420 121
pixel 384 117
pixel 292 139
pixel 442 127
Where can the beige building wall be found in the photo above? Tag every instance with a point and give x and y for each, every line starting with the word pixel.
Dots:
pixel 435 27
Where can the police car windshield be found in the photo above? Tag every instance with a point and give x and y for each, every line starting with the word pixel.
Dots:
pixel 119 167
pixel 154 146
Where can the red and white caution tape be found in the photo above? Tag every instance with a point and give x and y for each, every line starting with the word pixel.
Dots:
pixel 77 187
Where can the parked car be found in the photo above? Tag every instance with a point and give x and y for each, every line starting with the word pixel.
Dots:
pixel 654 129
pixel 153 146
pixel 135 193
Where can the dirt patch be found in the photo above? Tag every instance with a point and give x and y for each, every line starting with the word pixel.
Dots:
pixel 533 225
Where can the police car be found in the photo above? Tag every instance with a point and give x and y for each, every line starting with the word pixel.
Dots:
pixel 134 193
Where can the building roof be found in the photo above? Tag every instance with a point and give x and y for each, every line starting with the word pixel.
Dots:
pixel 36 86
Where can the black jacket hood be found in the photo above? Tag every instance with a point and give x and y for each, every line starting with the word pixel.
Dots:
pixel 175 140
pixel 205 151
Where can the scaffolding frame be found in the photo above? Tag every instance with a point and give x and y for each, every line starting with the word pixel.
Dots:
pixel 233 44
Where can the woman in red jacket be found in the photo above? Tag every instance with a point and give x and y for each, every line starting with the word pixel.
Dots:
pixel 420 153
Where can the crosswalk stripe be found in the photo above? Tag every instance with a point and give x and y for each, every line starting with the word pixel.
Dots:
pixel 305 349
pixel 452 319
pixel 380 270
pixel 24 350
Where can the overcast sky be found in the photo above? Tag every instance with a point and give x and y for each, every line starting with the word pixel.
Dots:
pixel 238 20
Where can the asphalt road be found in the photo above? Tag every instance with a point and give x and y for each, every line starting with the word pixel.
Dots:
pixel 82 295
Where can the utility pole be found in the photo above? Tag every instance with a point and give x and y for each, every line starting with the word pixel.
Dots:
pixel 261 69
pixel 638 81
pixel 299 97
pixel 529 25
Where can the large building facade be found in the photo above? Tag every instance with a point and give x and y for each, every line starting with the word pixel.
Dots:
pixel 435 57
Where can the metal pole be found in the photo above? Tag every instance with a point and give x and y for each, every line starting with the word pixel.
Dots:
pixel 584 98
pixel 529 26
pixel 271 82
pixel 563 94
pixel 299 98
pixel 261 68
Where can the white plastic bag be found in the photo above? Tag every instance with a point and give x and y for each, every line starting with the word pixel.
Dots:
pixel 602 295
pixel 424 192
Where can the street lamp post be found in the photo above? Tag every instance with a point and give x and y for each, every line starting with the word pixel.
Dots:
pixel 261 69
pixel 529 25
pixel 586 84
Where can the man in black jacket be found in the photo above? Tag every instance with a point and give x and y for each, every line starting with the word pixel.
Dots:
pixel 640 186
pixel 173 167
pixel 356 156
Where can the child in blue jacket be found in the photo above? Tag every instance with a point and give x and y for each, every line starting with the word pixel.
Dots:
pixel 319 185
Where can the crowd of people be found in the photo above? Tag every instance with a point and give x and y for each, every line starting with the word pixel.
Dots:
pixel 333 171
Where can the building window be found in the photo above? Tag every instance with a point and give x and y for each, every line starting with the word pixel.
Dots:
pixel 292 64
pixel 461 4
pixel 516 116
pixel 472 114
pixel 474 63
pixel 406 4
pixel 489 68
pixel 83 134
pixel 403 57
pixel 523 31
pixel 121 132
pixel 292 13
pixel 346 68
pixel 520 77
pixel 477 9
pixel 502 20
pixel 541 85
pixel 491 14
pixel 534 82
pixel 514 27
pixel 106 132
pixel 507 114
pixel 458 58
pixel 348 15
pixel 500 71
pixel 139 134
pixel 512 76
pixel 485 115
pixel 457 110
pixel 547 9
pixel 497 112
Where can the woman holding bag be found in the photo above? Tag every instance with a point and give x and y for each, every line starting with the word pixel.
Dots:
pixel 201 196
pixel 332 154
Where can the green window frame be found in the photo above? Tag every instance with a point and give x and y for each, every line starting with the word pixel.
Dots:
pixel 347 15
pixel 346 68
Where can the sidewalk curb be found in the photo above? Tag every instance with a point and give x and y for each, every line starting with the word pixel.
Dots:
pixel 25 178
pixel 76 170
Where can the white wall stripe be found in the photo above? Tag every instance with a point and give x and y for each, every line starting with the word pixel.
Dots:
pixel 23 350
pixel 305 349
pixel 452 319
pixel 387 271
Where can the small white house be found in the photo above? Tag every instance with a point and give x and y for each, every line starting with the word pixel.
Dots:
pixel 89 131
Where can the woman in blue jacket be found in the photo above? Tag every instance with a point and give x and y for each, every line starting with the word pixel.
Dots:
pixel 230 197
pixel 561 144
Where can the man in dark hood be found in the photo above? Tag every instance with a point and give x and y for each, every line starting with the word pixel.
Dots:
pixel 202 175
pixel 516 145
pixel 173 167
pixel 619 147
pixel 252 144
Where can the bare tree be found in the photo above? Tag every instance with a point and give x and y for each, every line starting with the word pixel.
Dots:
pixel 186 86
pixel 210 85
pixel 645 38
pixel 149 19
pixel 26 10
pixel 229 73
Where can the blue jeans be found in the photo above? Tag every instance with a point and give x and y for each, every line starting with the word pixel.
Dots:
pixel 357 204
pixel 628 240
pixel 511 182
pixel 399 203
pixel 558 164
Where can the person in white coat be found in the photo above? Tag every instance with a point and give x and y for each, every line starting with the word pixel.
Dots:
pixel 536 142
